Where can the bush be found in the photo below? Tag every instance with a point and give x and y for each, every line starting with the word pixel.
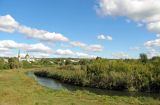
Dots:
pixel 128 75
pixel 14 63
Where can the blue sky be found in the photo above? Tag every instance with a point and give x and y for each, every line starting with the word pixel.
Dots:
pixel 78 21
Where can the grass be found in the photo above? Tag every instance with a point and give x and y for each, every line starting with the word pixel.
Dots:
pixel 16 88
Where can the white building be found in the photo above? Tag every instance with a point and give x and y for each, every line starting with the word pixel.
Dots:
pixel 25 58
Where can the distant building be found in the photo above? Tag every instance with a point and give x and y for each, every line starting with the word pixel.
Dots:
pixel 25 58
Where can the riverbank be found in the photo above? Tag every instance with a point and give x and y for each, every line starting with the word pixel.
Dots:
pixel 19 89
pixel 106 76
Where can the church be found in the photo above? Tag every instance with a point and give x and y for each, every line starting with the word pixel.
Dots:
pixel 25 58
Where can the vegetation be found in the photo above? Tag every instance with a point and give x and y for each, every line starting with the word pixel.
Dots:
pixel 19 89
pixel 132 75
pixel 143 58
pixel 125 75
pixel 3 64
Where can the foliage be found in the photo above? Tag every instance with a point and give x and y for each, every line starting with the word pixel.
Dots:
pixel 131 75
pixel 143 57
pixel 14 63
pixel 26 64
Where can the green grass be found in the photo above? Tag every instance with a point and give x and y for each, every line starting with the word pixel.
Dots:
pixel 16 88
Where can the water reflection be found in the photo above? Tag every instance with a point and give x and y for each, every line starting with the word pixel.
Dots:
pixel 57 85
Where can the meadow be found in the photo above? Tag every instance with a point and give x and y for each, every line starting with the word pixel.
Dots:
pixel 140 75
pixel 19 89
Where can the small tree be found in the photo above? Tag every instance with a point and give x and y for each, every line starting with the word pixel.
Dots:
pixel 2 63
pixel 143 57
pixel 68 62
pixel 14 63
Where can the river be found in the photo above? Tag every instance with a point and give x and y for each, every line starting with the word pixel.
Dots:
pixel 57 85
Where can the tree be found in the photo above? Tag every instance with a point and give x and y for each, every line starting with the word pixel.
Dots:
pixel 14 63
pixel 67 62
pixel 26 64
pixel 143 57
pixel 2 63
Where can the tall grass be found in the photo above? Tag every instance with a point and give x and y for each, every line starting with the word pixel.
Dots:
pixel 130 75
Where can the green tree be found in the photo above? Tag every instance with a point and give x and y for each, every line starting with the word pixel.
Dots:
pixel 26 64
pixel 67 62
pixel 2 63
pixel 143 57
pixel 14 63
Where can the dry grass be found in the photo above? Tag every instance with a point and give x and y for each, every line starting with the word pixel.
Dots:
pixel 16 88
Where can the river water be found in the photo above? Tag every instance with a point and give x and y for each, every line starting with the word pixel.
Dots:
pixel 57 85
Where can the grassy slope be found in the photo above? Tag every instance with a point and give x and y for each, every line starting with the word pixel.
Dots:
pixel 18 89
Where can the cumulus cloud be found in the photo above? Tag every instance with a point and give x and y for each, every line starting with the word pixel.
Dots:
pixel 6 54
pixel 78 44
pixel 152 47
pixel 69 53
pixel 42 34
pixel 137 10
pixel 10 44
pixel 94 48
pixel 104 37
pixel 120 55
pixel 152 52
pixel 84 55
pixel 9 24
pixel 4 49
pixel 154 26
pixel 152 43
pixel 64 52
pixel 40 55
pixel 141 11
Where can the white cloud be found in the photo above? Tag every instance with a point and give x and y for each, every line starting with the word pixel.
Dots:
pixel 137 10
pixel 94 48
pixel 42 34
pixel 141 11
pixel 9 24
pixel 69 53
pixel 40 55
pixel 152 52
pixel 84 55
pixel 103 37
pixel 134 48
pixel 152 43
pixel 120 55
pixel 154 26
pixel 78 44
pixel 151 46
pixel 4 49
pixel 10 44
pixel 66 52
pixel 33 55
pixel 6 54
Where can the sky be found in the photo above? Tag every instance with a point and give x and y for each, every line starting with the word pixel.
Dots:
pixel 116 29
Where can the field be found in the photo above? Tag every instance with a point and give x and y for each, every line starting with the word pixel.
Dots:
pixel 16 88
